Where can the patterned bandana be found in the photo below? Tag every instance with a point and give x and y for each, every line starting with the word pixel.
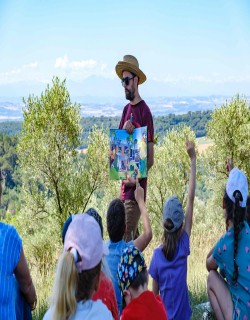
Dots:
pixel 131 264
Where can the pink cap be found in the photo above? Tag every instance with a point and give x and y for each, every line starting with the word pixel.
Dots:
pixel 84 234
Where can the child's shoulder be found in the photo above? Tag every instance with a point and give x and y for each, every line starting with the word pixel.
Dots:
pixel 184 234
pixel 158 250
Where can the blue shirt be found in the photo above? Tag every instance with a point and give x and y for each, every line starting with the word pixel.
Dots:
pixel 223 254
pixel 10 249
pixel 171 277
pixel 113 259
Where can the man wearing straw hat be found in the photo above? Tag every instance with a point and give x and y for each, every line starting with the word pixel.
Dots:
pixel 135 114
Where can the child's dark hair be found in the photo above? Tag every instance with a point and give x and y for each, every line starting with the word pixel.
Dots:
pixel 142 277
pixel 87 279
pixel 236 214
pixel 116 220
pixel 248 210
pixel 169 239
pixel 140 280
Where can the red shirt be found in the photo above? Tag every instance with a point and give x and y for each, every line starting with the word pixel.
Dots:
pixel 147 307
pixel 141 117
pixel 106 293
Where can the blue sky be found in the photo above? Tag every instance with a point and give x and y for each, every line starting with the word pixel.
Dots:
pixel 185 47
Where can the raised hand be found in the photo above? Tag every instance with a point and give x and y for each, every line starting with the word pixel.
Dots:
pixel 139 193
pixel 190 149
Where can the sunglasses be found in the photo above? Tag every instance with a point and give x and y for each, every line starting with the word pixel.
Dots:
pixel 125 81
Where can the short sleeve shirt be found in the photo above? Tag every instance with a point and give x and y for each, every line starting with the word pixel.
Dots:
pixel 106 294
pixel 146 306
pixel 171 277
pixel 87 310
pixel 141 116
pixel 10 250
pixel 113 259
pixel 223 254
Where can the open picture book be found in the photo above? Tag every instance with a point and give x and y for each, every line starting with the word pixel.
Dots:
pixel 128 153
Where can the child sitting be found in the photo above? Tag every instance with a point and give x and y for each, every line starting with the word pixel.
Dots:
pixel 105 292
pixel 228 289
pixel 133 282
pixel 168 266
pixel 116 229
pixel 78 274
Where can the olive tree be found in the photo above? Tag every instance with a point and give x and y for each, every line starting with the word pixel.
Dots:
pixel 57 181
pixel 229 131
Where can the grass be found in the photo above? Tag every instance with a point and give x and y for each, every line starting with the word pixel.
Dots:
pixel 207 227
pixel 204 140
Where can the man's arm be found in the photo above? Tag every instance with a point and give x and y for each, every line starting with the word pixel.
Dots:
pixel 143 240
pixel 150 154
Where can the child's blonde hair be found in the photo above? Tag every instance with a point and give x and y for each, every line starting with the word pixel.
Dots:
pixel 65 287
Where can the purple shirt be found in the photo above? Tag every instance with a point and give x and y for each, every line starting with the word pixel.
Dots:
pixel 171 277
pixel 141 116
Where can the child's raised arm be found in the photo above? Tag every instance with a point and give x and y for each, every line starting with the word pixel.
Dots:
pixel 191 188
pixel 143 240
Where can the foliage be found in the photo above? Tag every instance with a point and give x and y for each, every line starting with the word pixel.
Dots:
pixel 196 120
pixel 11 128
pixel 92 173
pixel 11 198
pixel 50 134
pixel 170 172
pixel 229 130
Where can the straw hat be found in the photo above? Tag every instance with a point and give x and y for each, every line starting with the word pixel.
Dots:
pixel 130 63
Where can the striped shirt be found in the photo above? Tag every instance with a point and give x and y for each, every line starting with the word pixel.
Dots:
pixel 10 249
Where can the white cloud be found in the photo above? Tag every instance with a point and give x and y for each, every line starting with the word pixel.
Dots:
pixel 78 70
pixel 62 62
pixel 83 64
pixel 167 106
pixel 32 65
pixel 25 72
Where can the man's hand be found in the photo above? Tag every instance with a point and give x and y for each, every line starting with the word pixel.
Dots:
pixel 129 182
pixel 129 127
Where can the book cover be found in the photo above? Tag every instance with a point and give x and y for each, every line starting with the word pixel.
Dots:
pixel 128 153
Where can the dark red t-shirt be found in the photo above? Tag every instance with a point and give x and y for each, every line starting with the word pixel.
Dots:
pixel 141 117
pixel 147 307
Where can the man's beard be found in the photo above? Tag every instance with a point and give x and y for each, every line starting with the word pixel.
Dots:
pixel 130 95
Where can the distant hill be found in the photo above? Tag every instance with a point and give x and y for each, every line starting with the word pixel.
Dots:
pixel 196 120
pixel 12 109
